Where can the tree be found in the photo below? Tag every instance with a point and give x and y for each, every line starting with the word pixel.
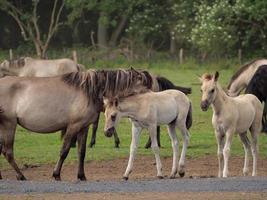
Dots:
pixel 27 20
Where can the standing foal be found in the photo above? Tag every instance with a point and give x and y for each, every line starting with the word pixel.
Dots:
pixel 232 115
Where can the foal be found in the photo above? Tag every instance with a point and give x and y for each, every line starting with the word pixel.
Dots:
pixel 148 110
pixel 232 115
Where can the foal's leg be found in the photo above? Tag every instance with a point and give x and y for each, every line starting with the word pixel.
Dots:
pixel 70 133
pixel 8 131
pixel 94 129
pixel 175 148
pixel 185 135
pixel 81 138
pixel 155 148
pixel 148 144
pixel 246 145
pixel 254 150
pixel 226 151
pixel 220 142
pixel 136 130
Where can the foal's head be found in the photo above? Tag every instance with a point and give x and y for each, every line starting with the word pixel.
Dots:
pixel 112 116
pixel 208 89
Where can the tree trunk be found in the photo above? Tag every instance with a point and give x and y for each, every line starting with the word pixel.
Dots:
pixel 115 35
pixel 102 33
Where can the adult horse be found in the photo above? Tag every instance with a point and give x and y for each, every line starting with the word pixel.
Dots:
pixel 242 77
pixel 258 87
pixel 69 103
pixel 232 115
pixel 169 107
pixel 31 67
pixel 159 84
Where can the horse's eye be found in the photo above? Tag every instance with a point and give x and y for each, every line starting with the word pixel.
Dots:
pixel 113 117
pixel 201 90
pixel 212 91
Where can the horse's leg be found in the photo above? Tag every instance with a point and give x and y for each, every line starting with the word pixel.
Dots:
pixel 1 146
pixel 226 151
pixel 155 148
pixel 246 145
pixel 70 133
pixel 264 118
pixel 117 139
pixel 136 130
pixel 254 150
pixel 8 130
pixel 185 135
pixel 81 138
pixel 220 143
pixel 148 144
pixel 94 129
pixel 175 148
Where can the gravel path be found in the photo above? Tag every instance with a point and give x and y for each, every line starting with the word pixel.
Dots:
pixel 235 184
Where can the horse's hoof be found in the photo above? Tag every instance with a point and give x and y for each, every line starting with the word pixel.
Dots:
pixel 56 177
pixel 160 177
pixel 82 177
pixel 125 178
pixel 182 174
pixel 21 178
pixel 92 144
pixel 147 146
pixel 117 146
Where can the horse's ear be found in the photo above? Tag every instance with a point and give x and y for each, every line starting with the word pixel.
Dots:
pixel 116 102
pixel 216 76
pixel 105 100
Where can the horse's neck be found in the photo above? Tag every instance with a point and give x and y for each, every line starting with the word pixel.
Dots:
pixel 220 100
pixel 129 107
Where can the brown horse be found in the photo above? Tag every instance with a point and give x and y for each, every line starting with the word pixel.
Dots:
pixel 69 103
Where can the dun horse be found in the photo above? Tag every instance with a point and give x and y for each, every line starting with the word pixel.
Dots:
pixel 232 115
pixel 31 67
pixel 258 87
pixel 159 84
pixel 149 110
pixel 241 78
pixel 69 103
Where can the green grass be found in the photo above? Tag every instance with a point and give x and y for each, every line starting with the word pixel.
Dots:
pixel 34 148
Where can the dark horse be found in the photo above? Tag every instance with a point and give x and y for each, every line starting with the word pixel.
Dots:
pixel 159 84
pixel 258 87
pixel 69 103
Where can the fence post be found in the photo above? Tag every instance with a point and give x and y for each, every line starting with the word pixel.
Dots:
pixel 240 56
pixel 74 56
pixel 181 56
pixel 10 54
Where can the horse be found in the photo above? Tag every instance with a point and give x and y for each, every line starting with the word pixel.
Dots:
pixel 69 103
pixel 148 110
pixel 31 67
pixel 159 84
pixel 242 77
pixel 258 87
pixel 232 115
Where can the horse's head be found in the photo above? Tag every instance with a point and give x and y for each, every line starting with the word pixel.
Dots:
pixel 208 89
pixel 112 116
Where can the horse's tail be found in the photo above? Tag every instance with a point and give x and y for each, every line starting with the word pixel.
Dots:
pixel 165 84
pixel 189 118
pixel 80 67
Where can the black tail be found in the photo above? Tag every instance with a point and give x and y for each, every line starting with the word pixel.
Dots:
pixel 165 84
pixel 189 118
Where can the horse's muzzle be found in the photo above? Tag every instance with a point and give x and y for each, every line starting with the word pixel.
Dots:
pixel 204 105
pixel 109 132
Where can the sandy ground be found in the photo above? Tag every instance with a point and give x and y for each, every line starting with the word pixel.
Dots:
pixel 144 168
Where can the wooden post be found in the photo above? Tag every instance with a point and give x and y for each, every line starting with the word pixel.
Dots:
pixel 74 56
pixel 240 56
pixel 10 54
pixel 181 56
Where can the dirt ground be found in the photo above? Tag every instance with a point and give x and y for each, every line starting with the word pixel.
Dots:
pixel 144 168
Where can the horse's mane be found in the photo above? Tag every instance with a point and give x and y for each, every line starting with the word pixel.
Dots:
pixel 109 83
pixel 17 63
pixel 240 71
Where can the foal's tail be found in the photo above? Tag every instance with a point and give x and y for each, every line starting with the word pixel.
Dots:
pixel 166 84
pixel 189 118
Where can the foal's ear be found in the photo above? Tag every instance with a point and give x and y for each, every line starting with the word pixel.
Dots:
pixel 216 76
pixel 116 102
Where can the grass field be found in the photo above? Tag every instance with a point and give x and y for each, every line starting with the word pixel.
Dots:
pixel 34 148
